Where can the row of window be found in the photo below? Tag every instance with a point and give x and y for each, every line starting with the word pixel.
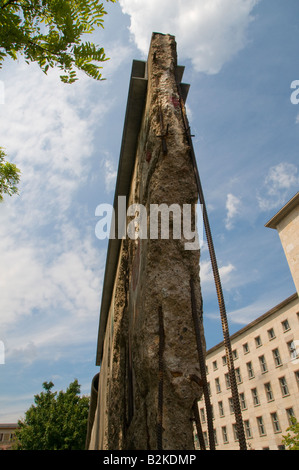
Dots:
pixel 256 401
pixel 263 367
pixel 248 428
pixel 258 343
pixel 6 437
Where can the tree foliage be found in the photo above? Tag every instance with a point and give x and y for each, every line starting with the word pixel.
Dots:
pixel 57 421
pixel 9 176
pixel 291 440
pixel 50 33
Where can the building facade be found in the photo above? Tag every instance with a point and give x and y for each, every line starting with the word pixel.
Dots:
pixel 7 435
pixel 266 362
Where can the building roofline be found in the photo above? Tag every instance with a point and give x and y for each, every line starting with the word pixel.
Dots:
pixel 8 425
pixel 256 321
pixel 283 212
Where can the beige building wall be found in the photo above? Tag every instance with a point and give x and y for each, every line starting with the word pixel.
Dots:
pixel 286 222
pixel 7 435
pixel 266 360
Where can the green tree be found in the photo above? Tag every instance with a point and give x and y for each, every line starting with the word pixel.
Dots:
pixel 9 176
pixel 291 440
pixel 50 32
pixel 57 421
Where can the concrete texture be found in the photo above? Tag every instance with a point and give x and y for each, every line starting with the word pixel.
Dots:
pixel 147 348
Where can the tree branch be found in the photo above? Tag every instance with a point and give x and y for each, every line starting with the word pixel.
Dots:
pixel 9 2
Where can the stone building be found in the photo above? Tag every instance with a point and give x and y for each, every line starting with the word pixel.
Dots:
pixel 148 338
pixel 7 435
pixel 266 361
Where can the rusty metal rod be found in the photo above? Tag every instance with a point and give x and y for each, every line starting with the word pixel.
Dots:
pixel 225 329
pixel 161 380
pixel 198 426
pixel 202 367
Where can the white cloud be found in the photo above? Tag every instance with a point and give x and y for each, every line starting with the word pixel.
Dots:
pixel 233 209
pixel 39 275
pixel 209 32
pixel 206 273
pixel 50 270
pixel 110 175
pixel 277 185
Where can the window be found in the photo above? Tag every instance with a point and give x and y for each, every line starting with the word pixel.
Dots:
pixel 238 375
pixel 205 438
pixel 221 409
pixel 243 401
pixel 271 334
pixel 285 325
pixel 209 388
pixel 215 437
pixel 261 426
pixel 275 422
pixel 250 370
pixel 224 360
pixel 258 341
pixel 245 348
pixel 235 354
pixel 269 393
pixel 290 415
pixel 284 386
pixel 215 365
pixel 217 385
pixel 227 380
pixel 276 356
pixel 247 429
pixel 202 415
pixel 292 349
pixel 224 435
pixel 235 431
pixel 1 436
pixel 231 405
pixel 297 376
pixel 263 364
pixel 255 397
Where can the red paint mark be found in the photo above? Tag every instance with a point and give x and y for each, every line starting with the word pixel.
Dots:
pixel 175 101
pixel 148 156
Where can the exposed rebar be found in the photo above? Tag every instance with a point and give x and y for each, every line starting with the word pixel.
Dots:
pixel 202 367
pixel 161 380
pixel 225 329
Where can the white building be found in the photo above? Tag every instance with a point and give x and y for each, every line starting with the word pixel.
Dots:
pixel 266 361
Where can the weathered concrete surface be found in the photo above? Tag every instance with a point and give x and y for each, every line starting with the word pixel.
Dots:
pixel 153 276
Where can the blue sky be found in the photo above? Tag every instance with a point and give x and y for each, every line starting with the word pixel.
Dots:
pixel 241 57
